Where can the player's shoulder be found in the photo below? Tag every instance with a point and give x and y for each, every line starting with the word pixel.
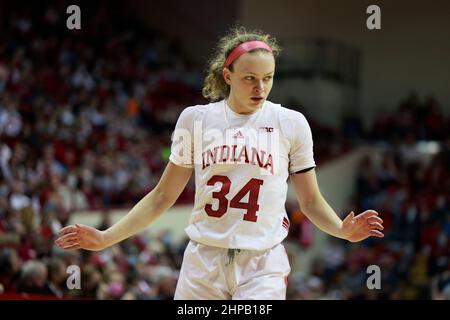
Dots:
pixel 285 113
pixel 198 110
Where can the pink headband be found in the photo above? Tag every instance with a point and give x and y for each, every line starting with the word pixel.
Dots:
pixel 246 47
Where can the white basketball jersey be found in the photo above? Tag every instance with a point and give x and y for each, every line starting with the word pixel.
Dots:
pixel 242 164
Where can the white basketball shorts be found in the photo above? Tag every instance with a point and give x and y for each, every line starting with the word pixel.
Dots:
pixel 212 273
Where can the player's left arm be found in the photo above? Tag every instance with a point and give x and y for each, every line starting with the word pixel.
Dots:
pixel 315 207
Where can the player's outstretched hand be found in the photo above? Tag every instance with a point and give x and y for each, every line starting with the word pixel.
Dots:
pixel 362 226
pixel 79 236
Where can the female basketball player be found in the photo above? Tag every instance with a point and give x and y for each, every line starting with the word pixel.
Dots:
pixel 241 148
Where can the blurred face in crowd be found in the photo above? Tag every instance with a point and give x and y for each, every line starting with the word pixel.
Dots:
pixel 250 81
pixel 58 274
pixel 39 277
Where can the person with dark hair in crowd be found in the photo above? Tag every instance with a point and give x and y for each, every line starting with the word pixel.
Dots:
pixel 56 277
pixel 9 269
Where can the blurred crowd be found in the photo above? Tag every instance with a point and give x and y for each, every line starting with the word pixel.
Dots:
pixel 414 120
pixel 85 122
pixel 413 197
pixel 86 119
pixel 139 268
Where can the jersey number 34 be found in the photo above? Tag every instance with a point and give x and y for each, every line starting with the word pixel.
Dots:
pixel 252 186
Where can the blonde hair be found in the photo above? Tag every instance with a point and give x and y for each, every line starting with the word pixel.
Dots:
pixel 215 87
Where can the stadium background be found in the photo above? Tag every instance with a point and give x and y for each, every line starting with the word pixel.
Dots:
pixel 86 118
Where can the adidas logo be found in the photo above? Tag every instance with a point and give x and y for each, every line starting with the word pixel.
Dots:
pixel 238 134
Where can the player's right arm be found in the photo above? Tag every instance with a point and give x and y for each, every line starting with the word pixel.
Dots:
pixel 150 207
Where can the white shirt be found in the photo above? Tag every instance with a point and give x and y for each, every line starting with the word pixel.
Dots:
pixel 241 164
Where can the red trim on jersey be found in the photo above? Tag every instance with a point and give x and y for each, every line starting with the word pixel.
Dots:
pixel 286 223
pixel 246 47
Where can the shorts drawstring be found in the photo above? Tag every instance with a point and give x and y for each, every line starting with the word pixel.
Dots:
pixel 232 254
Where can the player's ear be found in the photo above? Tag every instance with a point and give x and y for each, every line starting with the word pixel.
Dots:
pixel 227 75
